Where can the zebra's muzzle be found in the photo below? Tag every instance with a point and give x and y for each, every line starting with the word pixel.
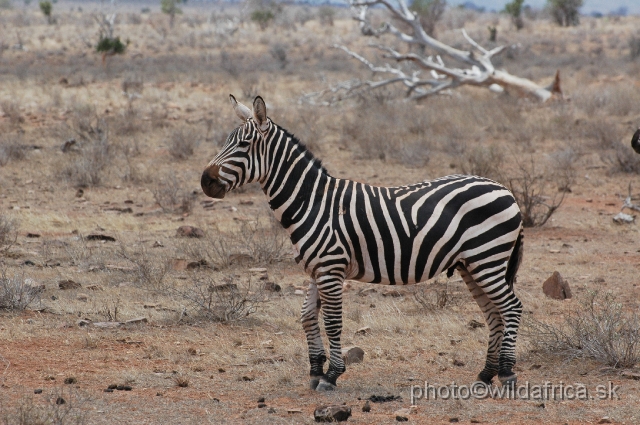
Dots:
pixel 212 186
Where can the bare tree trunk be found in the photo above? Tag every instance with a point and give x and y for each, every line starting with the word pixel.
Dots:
pixel 477 71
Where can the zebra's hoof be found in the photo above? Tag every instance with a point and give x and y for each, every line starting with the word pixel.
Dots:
pixel 509 380
pixel 313 383
pixel 325 386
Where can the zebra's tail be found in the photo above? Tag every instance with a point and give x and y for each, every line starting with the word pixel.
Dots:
pixel 514 261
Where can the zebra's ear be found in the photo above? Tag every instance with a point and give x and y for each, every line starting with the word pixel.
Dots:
pixel 260 113
pixel 242 111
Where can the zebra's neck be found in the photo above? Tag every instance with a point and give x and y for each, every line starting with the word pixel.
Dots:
pixel 293 178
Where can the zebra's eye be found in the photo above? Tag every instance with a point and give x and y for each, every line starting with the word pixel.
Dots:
pixel 243 144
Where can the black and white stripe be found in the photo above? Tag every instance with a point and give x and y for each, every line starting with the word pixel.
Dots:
pixel 342 229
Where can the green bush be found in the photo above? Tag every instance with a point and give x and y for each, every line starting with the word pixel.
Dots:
pixel 262 17
pixel 46 7
pixel 565 12
pixel 514 9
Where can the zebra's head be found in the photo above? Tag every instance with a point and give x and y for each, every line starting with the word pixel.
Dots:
pixel 239 161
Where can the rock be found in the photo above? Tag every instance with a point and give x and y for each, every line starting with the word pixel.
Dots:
pixel 556 287
pixel 406 411
pixel 68 284
pixel 474 324
pixel 79 193
pixel 630 375
pixel 367 407
pixel 351 355
pixel 261 405
pixel 400 418
pixel 107 325
pixel 136 321
pixel 394 293
pixel 291 411
pixel 68 145
pixel 240 259
pixel 194 265
pixel 157 244
pixel 261 400
pixel 189 232
pixel 622 218
pixel 332 413
pixel 454 420
pixel 37 391
pixel 367 291
pixel 100 237
pixel 33 235
pixel 60 401
pixel 272 287
pixel 458 363
pixel 363 331
pixel 82 297
pixel 271 410
pixel 83 322
pixel 605 420
pixel 70 380
pixel 178 264
pixel 298 292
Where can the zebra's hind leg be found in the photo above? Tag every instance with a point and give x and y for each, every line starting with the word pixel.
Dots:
pixel 330 292
pixel 503 333
pixel 494 323
pixel 309 319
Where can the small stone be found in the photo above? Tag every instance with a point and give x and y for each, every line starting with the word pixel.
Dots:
pixel 298 292
pixel 474 324
pixel 351 355
pixel 136 321
pixel 458 363
pixel 60 401
pixel 107 325
pixel 630 375
pixel 82 297
pixel 70 380
pixel 261 400
pixel 108 390
pixel 271 410
pixel 535 366
pixel 454 420
pixel 400 418
pixel 622 218
pixel 475 421
pixel 272 287
pixel 261 405
pixel 363 331
pixel 556 287
pixel 189 232
pixel 367 291
pixel 68 284
pixel 247 378
pixel 393 293
pixel 112 386
pixel 291 411
pixel 367 407
pixel 83 322
pixel 605 420
pixel 100 237
pixel 332 413
pixel 37 391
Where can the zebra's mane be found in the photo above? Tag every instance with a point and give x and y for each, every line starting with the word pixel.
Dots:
pixel 307 153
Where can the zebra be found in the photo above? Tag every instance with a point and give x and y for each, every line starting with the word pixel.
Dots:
pixel 342 229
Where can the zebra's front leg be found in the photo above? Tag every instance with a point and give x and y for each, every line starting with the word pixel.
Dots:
pixel 330 292
pixel 309 319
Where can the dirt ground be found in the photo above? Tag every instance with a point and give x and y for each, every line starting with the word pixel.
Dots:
pixel 132 174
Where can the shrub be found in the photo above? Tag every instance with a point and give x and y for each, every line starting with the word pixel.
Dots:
pixel 11 149
pixel 224 300
pixel 8 232
pixel 634 48
pixel 172 197
pixel 326 15
pixel 183 142
pixel 12 110
pixel 279 53
pixel 88 167
pixel 262 17
pixel 484 162
pixel 46 7
pixel 437 296
pixel 529 187
pixel 514 9
pixel 429 12
pixel 170 7
pixel 565 12
pixel 16 294
pixel 598 328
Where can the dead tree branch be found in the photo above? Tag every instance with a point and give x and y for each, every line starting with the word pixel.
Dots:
pixel 477 70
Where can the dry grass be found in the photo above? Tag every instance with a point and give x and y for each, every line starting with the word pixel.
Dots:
pixel 127 152
pixel 599 328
